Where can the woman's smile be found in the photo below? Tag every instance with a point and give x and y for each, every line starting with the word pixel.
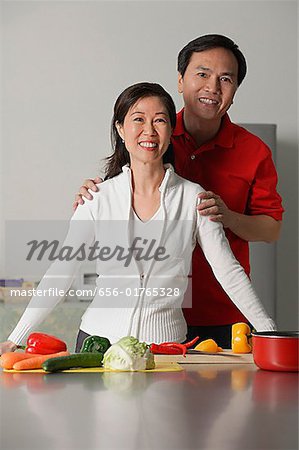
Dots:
pixel 148 145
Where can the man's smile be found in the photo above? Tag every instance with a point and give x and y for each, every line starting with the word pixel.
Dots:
pixel 208 101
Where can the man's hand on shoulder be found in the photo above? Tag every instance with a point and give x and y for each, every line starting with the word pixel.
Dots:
pixel 213 206
pixel 84 191
pixel 255 228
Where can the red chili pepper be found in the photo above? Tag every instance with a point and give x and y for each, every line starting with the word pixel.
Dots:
pixel 181 347
pixel 160 349
pixel 169 348
pixel 190 343
pixel 44 344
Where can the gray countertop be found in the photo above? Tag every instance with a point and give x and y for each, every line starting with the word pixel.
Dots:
pixel 208 407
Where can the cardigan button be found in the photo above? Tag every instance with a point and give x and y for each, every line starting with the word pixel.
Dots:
pixel 192 157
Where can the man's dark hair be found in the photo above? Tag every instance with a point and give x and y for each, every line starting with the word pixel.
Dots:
pixel 208 42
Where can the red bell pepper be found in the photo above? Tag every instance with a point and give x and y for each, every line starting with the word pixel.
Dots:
pixel 44 344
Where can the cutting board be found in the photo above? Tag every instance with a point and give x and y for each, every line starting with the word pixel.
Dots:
pixel 161 366
pixel 225 357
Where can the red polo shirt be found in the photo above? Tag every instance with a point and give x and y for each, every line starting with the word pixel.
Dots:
pixel 238 166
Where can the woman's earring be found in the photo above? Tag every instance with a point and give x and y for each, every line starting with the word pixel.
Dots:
pixel 123 141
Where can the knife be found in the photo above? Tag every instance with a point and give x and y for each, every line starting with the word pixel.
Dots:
pixel 198 352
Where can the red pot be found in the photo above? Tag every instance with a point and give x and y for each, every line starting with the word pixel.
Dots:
pixel 276 350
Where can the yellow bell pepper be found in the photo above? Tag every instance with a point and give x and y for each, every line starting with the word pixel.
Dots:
pixel 209 345
pixel 240 333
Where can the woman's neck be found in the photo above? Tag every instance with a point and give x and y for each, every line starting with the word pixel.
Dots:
pixel 146 178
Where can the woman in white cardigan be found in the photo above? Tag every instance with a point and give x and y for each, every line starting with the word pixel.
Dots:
pixel 145 225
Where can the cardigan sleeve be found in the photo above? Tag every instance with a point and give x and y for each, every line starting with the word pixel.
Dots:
pixel 59 277
pixel 230 274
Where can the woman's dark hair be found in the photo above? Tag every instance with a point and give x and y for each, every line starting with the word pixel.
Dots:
pixel 208 42
pixel 125 101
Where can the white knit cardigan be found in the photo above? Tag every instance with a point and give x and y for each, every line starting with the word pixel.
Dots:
pixel 138 309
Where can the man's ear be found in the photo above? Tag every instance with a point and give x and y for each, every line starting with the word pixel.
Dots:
pixel 180 83
pixel 119 130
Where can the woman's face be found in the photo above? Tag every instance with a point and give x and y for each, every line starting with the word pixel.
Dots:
pixel 146 130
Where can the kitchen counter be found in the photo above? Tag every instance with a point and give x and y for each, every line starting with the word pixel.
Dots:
pixel 209 407
pixel 63 321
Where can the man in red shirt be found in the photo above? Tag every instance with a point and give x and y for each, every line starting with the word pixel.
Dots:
pixel 235 167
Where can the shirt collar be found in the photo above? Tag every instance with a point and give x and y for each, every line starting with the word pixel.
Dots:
pixel 224 137
pixel 167 182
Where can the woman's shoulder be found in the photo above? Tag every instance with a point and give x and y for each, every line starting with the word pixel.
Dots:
pixel 109 193
pixel 106 190
pixel 187 184
pixel 107 186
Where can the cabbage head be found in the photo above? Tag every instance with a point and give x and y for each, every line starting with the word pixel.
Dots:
pixel 128 354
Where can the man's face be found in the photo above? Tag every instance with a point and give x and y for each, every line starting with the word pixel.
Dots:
pixel 209 83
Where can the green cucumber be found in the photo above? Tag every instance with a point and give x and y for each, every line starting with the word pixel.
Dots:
pixel 73 361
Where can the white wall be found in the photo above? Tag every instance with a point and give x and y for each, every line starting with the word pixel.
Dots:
pixel 64 63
